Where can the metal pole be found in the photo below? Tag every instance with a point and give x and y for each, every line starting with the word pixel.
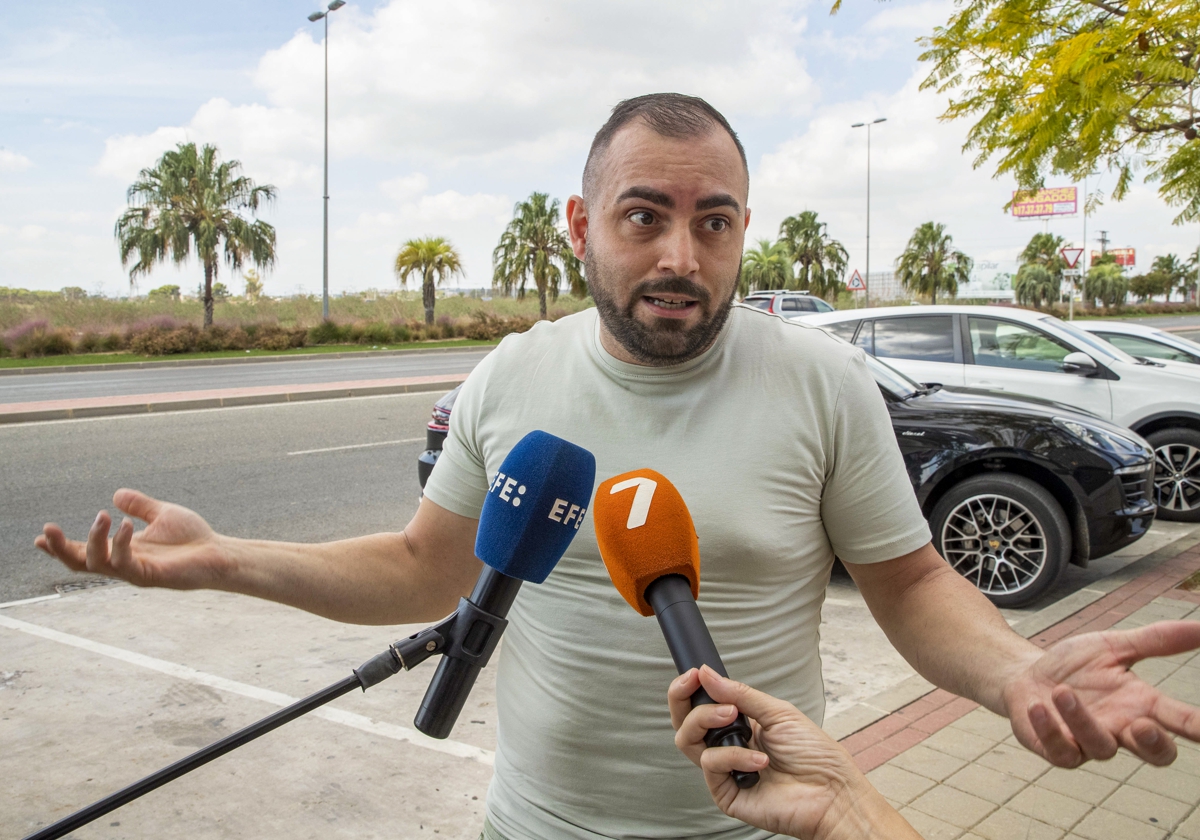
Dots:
pixel 867 279
pixel 325 257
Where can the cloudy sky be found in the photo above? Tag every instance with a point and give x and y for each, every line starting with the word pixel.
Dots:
pixel 443 114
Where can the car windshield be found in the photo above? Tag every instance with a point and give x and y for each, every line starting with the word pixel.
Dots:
pixel 1098 344
pixel 892 380
pixel 758 303
pixel 1194 346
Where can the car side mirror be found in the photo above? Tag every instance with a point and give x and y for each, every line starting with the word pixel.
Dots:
pixel 1079 363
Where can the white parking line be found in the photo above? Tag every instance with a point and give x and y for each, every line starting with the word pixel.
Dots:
pixel 275 698
pixel 37 600
pixel 355 446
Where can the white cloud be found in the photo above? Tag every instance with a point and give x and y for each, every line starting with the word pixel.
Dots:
pixel 13 162
pixel 29 233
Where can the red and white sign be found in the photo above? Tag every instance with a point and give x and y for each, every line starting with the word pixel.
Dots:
pixel 1125 257
pixel 1055 201
pixel 1071 256
pixel 856 283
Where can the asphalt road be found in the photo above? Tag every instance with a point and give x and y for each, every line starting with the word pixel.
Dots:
pixel 1161 321
pixel 230 464
pixel 109 383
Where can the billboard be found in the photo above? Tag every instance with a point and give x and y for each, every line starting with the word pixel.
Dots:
pixel 1123 256
pixel 1053 201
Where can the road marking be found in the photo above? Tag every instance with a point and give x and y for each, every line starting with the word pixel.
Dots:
pixel 37 600
pixel 355 446
pixel 275 698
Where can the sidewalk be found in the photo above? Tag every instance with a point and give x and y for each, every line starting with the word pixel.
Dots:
pixel 955 770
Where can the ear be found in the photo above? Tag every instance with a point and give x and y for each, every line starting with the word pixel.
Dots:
pixel 577 224
pixel 746 225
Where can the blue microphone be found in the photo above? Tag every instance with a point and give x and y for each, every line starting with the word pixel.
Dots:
pixel 534 507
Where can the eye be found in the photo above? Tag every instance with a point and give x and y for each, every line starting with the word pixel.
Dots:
pixel 642 218
pixel 717 224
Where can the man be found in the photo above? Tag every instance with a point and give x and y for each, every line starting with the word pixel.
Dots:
pixel 776 436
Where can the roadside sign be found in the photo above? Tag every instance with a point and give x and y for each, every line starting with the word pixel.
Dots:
pixel 1072 272
pixel 856 283
pixel 1056 201
pixel 1125 257
pixel 1071 255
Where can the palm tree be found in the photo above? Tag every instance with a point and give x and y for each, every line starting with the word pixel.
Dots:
pixel 1035 285
pixel 769 266
pixel 1106 282
pixel 534 246
pixel 1174 271
pixel 191 199
pixel 821 260
pixel 930 262
pixel 1044 249
pixel 434 259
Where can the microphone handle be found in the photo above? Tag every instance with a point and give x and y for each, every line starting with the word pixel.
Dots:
pixel 691 646
pixel 478 624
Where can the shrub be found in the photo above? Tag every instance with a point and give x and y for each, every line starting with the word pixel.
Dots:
pixel 373 332
pixel 328 332
pixel 89 342
pixel 157 341
pixel 37 338
pixel 274 337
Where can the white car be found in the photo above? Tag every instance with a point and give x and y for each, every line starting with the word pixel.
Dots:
pixel 1144 341
pixel 1024 352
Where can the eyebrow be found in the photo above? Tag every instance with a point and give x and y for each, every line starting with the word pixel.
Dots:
pixel 663 200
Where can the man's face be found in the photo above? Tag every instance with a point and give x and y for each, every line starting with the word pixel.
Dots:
pixel 661 234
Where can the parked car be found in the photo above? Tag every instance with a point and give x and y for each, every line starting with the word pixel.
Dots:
pixel 1013 488
pixel 785 303
pixel 1024 352
pixel 1139 340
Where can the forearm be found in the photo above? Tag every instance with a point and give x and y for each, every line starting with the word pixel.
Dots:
pixel 949 632
pixel 375 579
pixel 863 814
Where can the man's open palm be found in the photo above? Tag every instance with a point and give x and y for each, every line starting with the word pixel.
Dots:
pixel 177 549
pixel 1080 701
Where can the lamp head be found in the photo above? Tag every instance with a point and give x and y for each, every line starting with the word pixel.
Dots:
pixel 857 125
pixel 881 119
pixel 336 4
pixel 316 16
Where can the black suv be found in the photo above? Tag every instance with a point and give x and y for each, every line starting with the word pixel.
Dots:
pixel 1013 488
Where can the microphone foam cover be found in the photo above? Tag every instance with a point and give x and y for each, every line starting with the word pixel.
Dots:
pixel 644 531
pixel 534 506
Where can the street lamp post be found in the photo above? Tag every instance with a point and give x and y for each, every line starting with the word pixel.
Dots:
pixel 314 17
pixel 867 279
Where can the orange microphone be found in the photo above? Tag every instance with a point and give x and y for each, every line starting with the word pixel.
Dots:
pixel 650 549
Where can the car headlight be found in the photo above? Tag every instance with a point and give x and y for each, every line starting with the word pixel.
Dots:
pixel 1105 440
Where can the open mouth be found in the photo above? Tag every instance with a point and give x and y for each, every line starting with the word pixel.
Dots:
pixel 668 306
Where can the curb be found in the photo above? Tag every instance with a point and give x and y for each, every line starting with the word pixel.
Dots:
pixel 879 706
pixel 233 360
pixel 224 402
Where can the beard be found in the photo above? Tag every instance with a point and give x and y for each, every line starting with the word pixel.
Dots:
pixel 666 341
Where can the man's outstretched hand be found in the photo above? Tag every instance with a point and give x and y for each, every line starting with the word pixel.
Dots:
pixel 1080 701
pixel 177 549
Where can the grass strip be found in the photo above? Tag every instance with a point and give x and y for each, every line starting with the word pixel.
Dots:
pixel 320 349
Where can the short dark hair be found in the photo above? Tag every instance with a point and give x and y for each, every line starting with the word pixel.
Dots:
pixel 669 114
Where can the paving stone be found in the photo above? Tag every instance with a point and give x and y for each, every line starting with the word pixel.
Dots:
pixel 1166 609
pixel 928 762
pixel 1109 825
pixel 898 784
pixel 931 828
pixel 1181 689
pixel 983 723
pixel 1009 825
pixel 1048 806
pixel 1016 761
pixel 1188 759
pixel 1154 671
pixel 1147 807
pixel 1079 784
pixel 1120 767
pixel 1188 673
pixel 1189 829
pixel 953 806
pixel 986 783
pixel 959 743
pixel 1168 781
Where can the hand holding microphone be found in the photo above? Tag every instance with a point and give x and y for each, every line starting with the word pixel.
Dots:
pixel 652 554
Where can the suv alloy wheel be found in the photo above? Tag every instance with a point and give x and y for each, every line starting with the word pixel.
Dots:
pixel 1177 474
pixel 1003 533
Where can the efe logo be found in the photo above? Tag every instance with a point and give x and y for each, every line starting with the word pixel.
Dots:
pixel 508 483
pixel 562 512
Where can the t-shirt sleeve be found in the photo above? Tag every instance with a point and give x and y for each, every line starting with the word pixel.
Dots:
pixel 458 482
pixel 868 505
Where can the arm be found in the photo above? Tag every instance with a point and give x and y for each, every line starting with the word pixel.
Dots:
pixel 415 575
pixel 1077 700
pixel 809 785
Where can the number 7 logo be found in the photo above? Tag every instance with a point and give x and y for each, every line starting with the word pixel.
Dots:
pixel 640 508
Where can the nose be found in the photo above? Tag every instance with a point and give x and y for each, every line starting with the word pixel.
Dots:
pixel 679 252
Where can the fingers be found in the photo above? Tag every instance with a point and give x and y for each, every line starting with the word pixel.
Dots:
pixel 1149 742
pixel 721 761
pixel 137 504
pixel 1163 638
pixel 1093 740
pixel 70 553
pixel 121 561
pixel 1056 744
pixel 690 737
pixel 764 708
pixel 679 696
pixel 1178 717
pixel 97 544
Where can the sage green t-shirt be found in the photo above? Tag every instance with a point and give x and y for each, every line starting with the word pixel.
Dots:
pixel 778 440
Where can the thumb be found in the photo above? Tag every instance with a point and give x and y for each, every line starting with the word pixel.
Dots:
pixel 138 504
